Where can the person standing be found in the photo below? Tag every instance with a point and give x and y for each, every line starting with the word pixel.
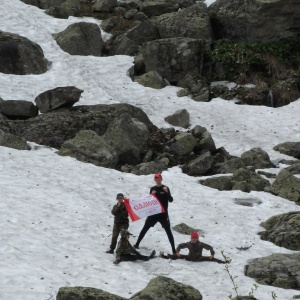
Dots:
pixel 163 193
pixel 195 248
pixel 121 221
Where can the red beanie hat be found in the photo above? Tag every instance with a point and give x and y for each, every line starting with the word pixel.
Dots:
pixel 194 235
pixel 157 175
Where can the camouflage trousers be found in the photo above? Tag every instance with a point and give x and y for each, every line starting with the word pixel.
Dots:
pixel 115 233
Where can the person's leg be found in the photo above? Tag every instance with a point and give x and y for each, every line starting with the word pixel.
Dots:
pixel 148 224
pixel 128 257
pixel 114 239
pixel 142 257
pixel 207 258
pixel 167 227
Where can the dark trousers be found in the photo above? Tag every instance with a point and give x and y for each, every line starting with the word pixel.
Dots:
pixel 163 219
pixel 133 257
pixel 198 259
pixel 115 233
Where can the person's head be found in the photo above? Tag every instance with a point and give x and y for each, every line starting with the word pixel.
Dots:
pixel 120 197
pixel 125 234
pixel 194 237
pixel 158 178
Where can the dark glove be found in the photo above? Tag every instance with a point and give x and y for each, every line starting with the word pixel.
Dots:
pixel 117 261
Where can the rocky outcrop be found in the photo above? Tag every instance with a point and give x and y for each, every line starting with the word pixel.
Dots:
pixel 12 141
pixel 57 98
pixel 158 288
pixel 255 20
pixel 286 186
pixel 244 180
pixel 280 270
pixel 20 56
pixel 81 39
pixel 192 22
pixel 283 230
pixel 156 8
pixel 18 109
pixel 289 148
pixel 166 288
pixel 56 127
pixel 173 58
pixel 104 5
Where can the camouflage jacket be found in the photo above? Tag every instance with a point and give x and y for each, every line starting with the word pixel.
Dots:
pixel 120 213
pixel 195 250
pixel 124 247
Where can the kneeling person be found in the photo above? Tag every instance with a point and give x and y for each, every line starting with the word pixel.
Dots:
pixel 126 252
pixel 195 248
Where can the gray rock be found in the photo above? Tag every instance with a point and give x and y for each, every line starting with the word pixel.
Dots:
pixel 59 97
pixel 81 39
pixel 13 141
pixel 109 23
pixel 104 5
pixel 20 56
pixel 164 288
pixel 130 42
pixel 221 183
pixel 207 142
pixel 130 13
pixel 183 143
pixel 257 20
pixel 198 131
pixel 289 148
pixel 173 58
pixel 257 158
pixel 180 118
pixel 18 108
pixel 280 270
pixel 57 12
pixel 151 167
pixel 192 22
pixel 286 186
pixel 183 92
pixel 156 8
pixel 229 166
pixel 127 136
pixel 283 230
pixel 199 166
pixel 85 293
pixel 293 169
pixel 140 17
pixel 88 146
pixel 151 79
pixel 44 4
pixel 185 229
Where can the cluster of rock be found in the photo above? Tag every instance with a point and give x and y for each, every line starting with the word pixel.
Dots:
pixel 158 288
pixel 169 39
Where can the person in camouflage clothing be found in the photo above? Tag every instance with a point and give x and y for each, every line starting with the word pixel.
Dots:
pixel 121 221
pixel 195 248
pixel 126 252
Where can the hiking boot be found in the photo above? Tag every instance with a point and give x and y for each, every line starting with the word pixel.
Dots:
pixel 117 261
pixel 152 254
pixel 110 251
pixel 136 246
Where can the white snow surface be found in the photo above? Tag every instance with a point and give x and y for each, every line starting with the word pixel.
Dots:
pixel 55 214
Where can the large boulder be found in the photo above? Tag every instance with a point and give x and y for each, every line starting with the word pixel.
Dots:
pixel 289 148
pixel 192 22
pixel 20 56
pixel 81 39
pixel 199 166
pixel 255 20
pixel 57 98
pixel 88 146
pixel 130 42
pixel 127 136
pixel 18 109
pixel 156 8
pixel 286 186
pixel 165 288
pixel 183 143
pixel 294 169
pixel 173 58
pixel 283 230
pixel 56 127
pixel 257 158
pixel 12 141
pixel 280 270
pixel 85 293
pixel 104 5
